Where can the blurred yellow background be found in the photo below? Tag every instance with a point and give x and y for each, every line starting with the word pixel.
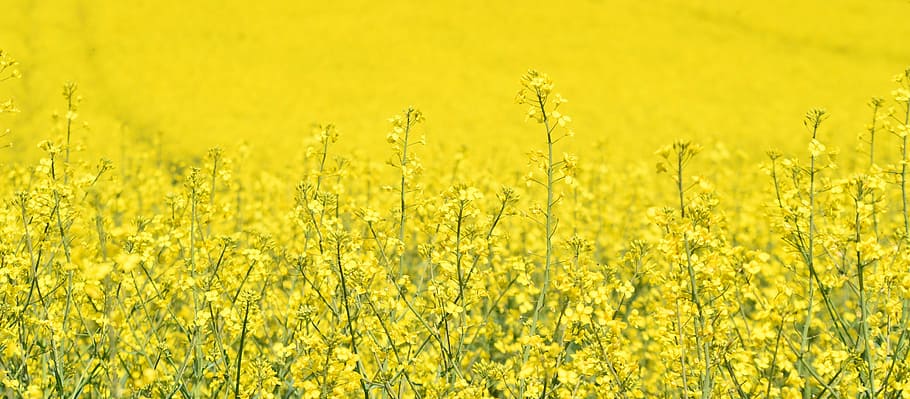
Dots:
pixel 637 74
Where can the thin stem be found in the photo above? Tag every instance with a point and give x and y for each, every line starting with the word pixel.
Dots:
pixel 704 346
pixel 904 203
pixel 403 190
pixel 347 311
pixel 810 261
pixel 246 314
pixel 864 311
pixel 541 299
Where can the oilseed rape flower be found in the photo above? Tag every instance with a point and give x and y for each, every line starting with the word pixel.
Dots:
pixel 8 70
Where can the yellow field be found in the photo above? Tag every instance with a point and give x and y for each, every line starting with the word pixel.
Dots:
pixel 321 200
pixel 639 74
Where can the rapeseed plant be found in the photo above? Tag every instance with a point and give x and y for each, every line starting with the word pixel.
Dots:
pixel 156 277
pixel 8 70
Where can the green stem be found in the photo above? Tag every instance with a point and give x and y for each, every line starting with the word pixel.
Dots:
pixel 864 310
pixel 246 314
pixel 347 311
pixel 404 163
pixel 542 298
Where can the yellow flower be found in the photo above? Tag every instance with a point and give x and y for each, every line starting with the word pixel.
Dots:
pixel 816 148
